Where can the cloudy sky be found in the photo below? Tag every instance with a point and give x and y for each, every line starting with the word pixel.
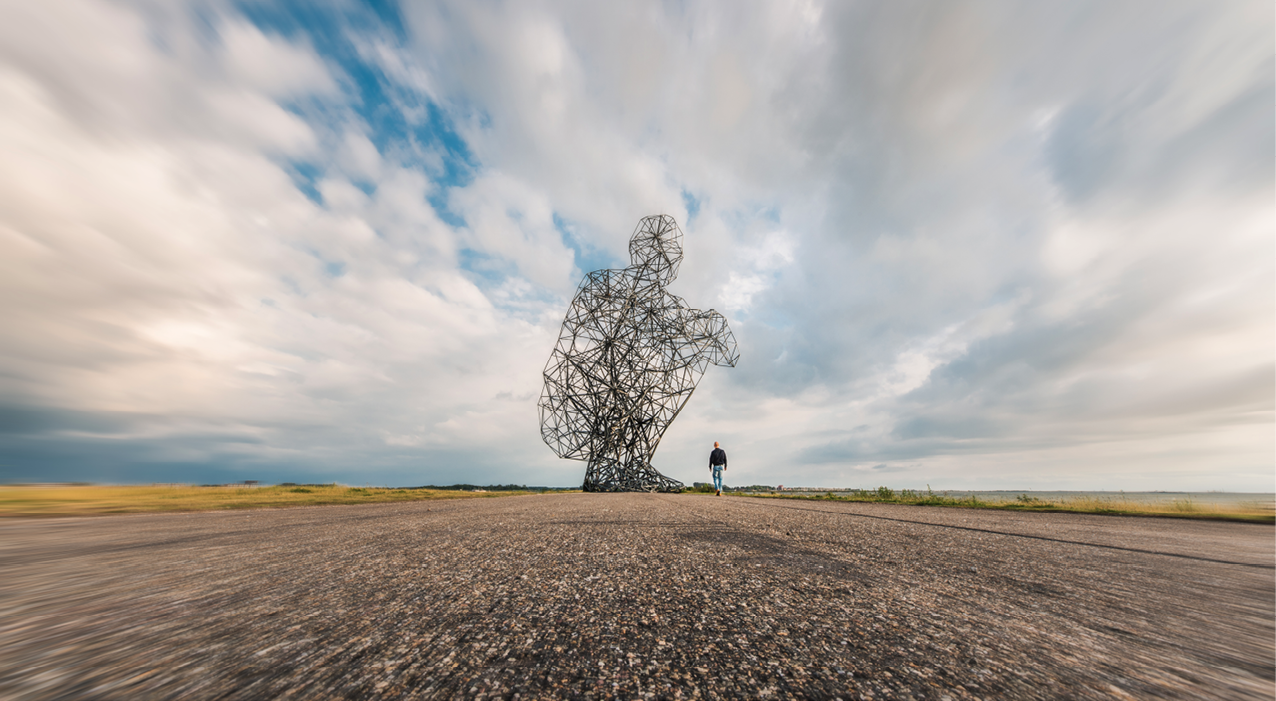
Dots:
pixel 972 245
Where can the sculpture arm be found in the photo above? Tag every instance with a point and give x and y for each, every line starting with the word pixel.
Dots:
pixel 708 330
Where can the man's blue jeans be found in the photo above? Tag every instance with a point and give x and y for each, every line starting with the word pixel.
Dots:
pixel 717 477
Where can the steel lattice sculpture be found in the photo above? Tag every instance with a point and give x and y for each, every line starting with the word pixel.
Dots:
pixel 628 358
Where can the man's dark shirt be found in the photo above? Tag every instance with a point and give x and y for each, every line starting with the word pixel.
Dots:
pixel 718 457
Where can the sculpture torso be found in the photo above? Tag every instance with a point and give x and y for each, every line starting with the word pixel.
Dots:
pixel 629 355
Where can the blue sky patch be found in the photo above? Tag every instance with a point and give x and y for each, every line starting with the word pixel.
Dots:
pixel 588 257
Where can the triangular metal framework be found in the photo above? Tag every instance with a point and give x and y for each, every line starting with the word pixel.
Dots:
pixel 628 357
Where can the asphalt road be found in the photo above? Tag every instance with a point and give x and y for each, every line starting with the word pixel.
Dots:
pixel 635 595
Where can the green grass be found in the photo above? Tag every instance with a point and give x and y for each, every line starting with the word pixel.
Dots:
pixel 1178 508
pixel 93 500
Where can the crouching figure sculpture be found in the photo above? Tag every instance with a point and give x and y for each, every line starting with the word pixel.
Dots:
pixel 628 358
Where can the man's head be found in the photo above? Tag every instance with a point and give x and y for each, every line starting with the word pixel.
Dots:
pixel 656 246
pixel 715 444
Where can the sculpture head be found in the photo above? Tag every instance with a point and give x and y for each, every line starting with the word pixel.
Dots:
pixel 656 246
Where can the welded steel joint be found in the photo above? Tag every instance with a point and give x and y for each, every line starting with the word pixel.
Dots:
pixel 627 360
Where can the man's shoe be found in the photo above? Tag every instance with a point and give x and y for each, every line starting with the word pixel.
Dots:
pixel 718 494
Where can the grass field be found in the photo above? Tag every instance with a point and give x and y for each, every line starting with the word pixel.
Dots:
pixel 1179 508
pixel 94 500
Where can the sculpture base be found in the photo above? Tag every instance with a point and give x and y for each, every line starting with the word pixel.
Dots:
pixel 613 477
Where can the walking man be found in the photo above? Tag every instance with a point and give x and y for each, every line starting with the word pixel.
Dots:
pixel 717 463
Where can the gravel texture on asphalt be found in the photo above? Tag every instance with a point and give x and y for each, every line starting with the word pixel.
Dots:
pixel 635 596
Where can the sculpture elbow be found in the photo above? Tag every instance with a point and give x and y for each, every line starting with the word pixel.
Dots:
pixel 727 360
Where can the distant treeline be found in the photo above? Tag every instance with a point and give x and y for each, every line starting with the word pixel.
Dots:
pixel 492 488
pixel 450 487
pixel 708 486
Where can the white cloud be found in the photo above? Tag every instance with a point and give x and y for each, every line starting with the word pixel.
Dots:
pixel 754 269
pixel 179 271
pixel 271 66
pixel 964 244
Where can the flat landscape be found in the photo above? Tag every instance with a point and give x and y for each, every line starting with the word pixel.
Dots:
pixel 635 595
pixel 23 501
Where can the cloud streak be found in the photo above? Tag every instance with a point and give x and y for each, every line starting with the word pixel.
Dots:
pixel 973 245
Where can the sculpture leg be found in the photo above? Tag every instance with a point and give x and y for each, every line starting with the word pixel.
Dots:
pixel 602 475
pixel 609 475
pixel 647 479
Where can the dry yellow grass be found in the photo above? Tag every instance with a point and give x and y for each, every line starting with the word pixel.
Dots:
pixel 91 500
pixel 1178 508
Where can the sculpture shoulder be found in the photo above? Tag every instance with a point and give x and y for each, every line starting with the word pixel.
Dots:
pixel 604 283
